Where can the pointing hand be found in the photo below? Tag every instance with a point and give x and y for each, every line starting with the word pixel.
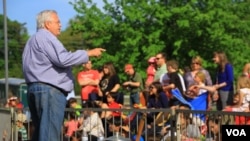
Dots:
pixel 96 52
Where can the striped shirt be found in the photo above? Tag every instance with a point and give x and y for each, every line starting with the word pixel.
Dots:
pixel 23 132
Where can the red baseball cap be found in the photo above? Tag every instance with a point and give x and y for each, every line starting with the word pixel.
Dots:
pixel 151 60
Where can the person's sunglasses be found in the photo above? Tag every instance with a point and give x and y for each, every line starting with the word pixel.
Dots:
pixel 195 63
pixel 151 87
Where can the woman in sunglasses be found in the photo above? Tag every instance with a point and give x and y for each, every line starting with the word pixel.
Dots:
pixel 196 66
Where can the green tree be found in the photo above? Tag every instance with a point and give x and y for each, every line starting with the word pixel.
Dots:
pixel 72 40
pixel 134 30
pixel 17 36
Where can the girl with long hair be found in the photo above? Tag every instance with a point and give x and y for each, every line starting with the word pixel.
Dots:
pixel 224 78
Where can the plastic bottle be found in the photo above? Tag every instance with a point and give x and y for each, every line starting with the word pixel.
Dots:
pixel 100 135
pixel 100 138
pixel 84 136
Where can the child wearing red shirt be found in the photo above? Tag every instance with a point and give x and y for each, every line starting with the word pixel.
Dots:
pixel 71 125
pixel 112 104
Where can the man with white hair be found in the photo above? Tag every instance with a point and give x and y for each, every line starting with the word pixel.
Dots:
pixel 47 71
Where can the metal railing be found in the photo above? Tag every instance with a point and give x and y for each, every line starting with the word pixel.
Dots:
pixel 149 124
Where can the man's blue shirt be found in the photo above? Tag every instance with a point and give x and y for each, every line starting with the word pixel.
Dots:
pixel 46 60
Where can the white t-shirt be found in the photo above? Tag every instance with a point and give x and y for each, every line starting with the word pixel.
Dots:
pixel 245 100
pixel 164 79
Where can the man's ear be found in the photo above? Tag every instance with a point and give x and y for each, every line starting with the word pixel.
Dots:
pixel 47 25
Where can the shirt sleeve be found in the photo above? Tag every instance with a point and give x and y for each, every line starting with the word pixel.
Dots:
pixel 229 73
pixel 96 75
pixel 208 78
pixel 116 79
pixel 164 100
pixel 57 53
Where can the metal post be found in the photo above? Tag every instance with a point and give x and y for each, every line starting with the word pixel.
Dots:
pixel 6 50
pixel 173 124
pixel 13 127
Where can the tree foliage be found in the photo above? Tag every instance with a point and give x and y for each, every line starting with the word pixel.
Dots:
pixel 134 30
pixel 17 36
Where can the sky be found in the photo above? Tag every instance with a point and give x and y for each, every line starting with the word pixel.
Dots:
pixel 25 11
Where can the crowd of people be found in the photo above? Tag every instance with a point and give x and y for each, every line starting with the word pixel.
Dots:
pixel 165 87
pixel 168 87
pixel 97 84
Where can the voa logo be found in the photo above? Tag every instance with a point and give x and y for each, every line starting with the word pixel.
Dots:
pixel 236 132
